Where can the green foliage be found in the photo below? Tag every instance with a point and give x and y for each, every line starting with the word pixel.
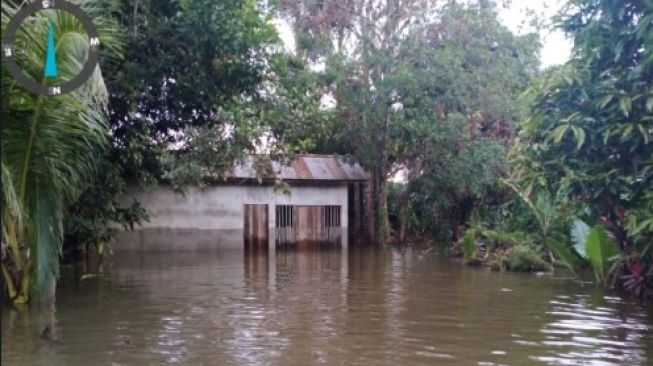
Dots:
pixel 92 219
pixel 469 245
pixel 50 147
pixel 639 220
pixel 601 250
pixel 565 254
pixel 459 111
pixel 436 97
pixel 524 259
pixel 189 67
pixel 591 245
pixel 600 97
pixel 515 250
pixel 588 131
pixel 508 238
pixel 549 211
pixel 199 84
pixel 579 232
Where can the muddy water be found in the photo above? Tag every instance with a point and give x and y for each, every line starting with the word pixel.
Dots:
pixel 331 307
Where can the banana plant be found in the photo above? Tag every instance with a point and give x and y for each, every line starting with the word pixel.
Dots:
pixel 546 208
pixel 601 249
pixel 595 246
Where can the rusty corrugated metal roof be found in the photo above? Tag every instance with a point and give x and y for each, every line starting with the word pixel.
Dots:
pixel 303 168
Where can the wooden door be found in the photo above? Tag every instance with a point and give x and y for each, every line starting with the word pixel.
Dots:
pixel 310 223
pixel 256 226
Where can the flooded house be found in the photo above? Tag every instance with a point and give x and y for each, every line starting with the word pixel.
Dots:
pixel 259 203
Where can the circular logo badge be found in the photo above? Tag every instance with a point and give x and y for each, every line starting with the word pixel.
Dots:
pixel 50 69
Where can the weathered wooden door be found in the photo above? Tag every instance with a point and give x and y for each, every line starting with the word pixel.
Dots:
pixel 307 224
pixel 256 226
pixel 310 223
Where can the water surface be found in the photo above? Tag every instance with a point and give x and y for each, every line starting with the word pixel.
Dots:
pixel 333 307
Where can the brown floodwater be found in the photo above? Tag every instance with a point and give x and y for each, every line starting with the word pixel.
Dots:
pixel 356 306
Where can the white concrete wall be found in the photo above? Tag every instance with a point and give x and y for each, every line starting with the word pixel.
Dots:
pixel 221 206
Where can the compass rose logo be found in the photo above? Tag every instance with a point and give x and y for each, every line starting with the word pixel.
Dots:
pixel 50 83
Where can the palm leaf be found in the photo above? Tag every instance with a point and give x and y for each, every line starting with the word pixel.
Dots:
pixel 51 145
pixel 10 202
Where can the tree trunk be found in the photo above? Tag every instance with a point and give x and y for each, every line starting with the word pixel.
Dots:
pixel 48 312
pixel 16 278
pixel 455 223
pixel 383 223
pixel 370 213
pixel 404 215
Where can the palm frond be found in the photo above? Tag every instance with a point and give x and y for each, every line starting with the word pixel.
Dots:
pixel 10 202
pixel 51 145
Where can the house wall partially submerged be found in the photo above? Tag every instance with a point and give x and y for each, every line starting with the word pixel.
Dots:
pixel 213 217
pixel 221 207
pixel 241 211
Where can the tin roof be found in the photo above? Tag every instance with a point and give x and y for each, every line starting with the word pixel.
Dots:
pixel 307 167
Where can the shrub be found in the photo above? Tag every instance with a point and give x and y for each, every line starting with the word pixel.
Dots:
pixel 524 259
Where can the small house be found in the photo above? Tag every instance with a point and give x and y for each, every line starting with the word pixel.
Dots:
pixel 259 203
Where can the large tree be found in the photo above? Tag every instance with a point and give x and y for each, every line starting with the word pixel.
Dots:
pixel 461 80
pixel 201 82
pixel 417 85
pixel 358 41
pixel 187 64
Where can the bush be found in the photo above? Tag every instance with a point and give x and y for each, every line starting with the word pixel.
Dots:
pixel 524 259
pixel 469 245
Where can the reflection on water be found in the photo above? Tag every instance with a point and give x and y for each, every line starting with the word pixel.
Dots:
pixel 289 237
pixel 308 306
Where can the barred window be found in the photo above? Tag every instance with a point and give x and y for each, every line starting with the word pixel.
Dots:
pixel 331 216
pixel 284 216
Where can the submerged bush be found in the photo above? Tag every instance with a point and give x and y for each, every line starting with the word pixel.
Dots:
pixel 469 245
pixel 524 259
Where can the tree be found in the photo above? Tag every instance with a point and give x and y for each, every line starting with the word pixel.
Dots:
pixel 358 42
pixel 461 109
pixel 49 148
pixel 590 124
pixel 188 64
pixel 419 86
pixel 201 83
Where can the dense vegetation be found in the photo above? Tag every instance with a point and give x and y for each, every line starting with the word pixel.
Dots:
pixel 588 138
pixel 584 154
pixel 173 87
pixel 424 89
pixel 515 167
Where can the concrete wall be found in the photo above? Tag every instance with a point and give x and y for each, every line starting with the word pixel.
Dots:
pixel 181 240
pixel 164 239
pixel 221 206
